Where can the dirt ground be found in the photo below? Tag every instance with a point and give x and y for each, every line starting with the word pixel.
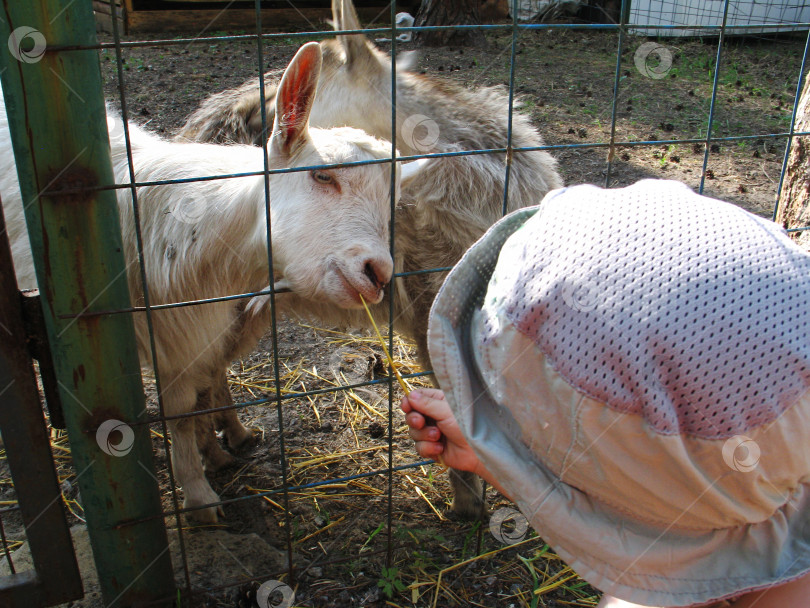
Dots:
pixel 339 531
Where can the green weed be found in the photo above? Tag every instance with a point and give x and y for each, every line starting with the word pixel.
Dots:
pixel 391 582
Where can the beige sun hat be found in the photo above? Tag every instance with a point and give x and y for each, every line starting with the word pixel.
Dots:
pixel 633 366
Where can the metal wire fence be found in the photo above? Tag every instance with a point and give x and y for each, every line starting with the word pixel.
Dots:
pixel 652 19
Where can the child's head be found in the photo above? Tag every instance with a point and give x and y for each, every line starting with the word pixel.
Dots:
pixel 633 365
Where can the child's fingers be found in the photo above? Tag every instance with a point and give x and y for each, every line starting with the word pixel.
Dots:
pixel 430 403
pixel 415 420
pixel 431 393
pixel 429 433
pixel 429 449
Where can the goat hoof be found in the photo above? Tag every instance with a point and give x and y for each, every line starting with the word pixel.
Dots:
pixel 202 496
pixel 217 462
pixel 244 438
pixel 469 509
pixel 205 516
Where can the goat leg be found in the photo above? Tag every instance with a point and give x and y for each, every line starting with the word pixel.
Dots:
pixel 186 460
pixel 236 433
pixel 467 490
pixel 214 457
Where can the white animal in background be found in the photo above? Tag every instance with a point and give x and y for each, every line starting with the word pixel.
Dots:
pixel 330 235
pixel 402 20
pixel 456 198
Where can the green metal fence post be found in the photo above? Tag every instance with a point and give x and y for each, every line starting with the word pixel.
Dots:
pixel 57 119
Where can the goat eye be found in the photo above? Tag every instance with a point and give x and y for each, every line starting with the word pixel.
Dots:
pixel 322 177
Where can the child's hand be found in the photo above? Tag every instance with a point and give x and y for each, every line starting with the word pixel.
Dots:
pixel 435 431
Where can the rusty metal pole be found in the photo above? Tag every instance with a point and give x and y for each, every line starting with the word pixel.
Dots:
pixel 56 578
pixel 58 125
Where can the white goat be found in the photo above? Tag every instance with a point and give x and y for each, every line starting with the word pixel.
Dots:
pixel 206 239
pixel 440 215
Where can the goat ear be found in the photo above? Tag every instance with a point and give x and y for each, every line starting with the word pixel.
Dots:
pixel 294 99
pixel 413 169
pixel 344 17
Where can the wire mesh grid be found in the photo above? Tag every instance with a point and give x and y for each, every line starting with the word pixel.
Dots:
pixel 725 18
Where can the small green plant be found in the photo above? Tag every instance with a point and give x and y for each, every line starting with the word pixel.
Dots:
pixel 469 538
pixel 421 561
pixel 372 535
pixel 734 74
pixel 391 582
pixel 529 563
pixel 297 532
pixel 666 156
pixel 418 535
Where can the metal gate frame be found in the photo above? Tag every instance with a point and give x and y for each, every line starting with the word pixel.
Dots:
pixel 55 578
pixel 56 117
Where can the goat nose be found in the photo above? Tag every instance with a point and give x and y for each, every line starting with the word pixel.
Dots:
pixel 377 272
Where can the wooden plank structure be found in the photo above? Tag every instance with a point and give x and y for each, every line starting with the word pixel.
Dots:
pixel 103 11
pixel 139 16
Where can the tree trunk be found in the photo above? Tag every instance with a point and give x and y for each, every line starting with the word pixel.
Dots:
pixel 793 210
pixel 450 12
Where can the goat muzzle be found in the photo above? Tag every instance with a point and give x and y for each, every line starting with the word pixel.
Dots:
pixel 379 275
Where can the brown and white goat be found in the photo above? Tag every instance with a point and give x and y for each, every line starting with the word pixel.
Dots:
pixel 330 236
pixel 440 215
